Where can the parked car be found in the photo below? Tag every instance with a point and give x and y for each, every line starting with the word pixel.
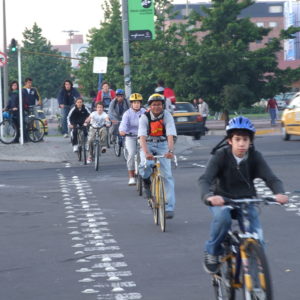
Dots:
pixel 41 115
pixel 290 120
pixel 284 99
pixel 187 120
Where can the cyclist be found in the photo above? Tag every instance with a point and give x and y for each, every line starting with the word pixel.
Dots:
pixel 97 118
pixel 77 116
pixel 117 108
pixel 230 173
pixel 105 95
pixel 156 132
pixel 129 125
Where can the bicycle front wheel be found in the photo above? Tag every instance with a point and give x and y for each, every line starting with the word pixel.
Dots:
pixel 8 132
pixel 257 278
pixel 117 146
pixel 84 149
pixel 154 202
pixel 97 155
pixel 161 199
pixel 35 130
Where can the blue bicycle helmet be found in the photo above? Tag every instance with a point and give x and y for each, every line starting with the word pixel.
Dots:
pixel 120 92
pixel 240 123
pixel 6 115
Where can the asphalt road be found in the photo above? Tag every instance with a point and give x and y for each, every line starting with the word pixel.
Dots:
pixel 68 232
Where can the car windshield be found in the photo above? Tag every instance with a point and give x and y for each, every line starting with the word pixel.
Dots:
pixel 184 107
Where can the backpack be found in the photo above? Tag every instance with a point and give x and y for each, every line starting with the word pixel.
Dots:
pixel 157 127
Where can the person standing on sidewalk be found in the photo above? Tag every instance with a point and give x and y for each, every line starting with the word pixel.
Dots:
pixel 272 108
pixel 203 110
pixel 66 98
pixel 30 95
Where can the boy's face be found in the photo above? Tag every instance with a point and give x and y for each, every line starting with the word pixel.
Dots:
pixel 99 109
pixel 240 144
pixel 79 103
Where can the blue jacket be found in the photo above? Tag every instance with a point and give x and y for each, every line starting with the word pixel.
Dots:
pixel 30 98
pixel 67 97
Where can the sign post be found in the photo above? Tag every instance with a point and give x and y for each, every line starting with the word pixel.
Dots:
pixel 3 61
pixel 100 67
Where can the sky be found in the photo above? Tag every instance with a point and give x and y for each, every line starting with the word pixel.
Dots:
pixel 53 16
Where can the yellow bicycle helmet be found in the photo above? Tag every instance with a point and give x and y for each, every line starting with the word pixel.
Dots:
pixel 136 97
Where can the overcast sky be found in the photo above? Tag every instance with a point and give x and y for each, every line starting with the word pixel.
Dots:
pixel 53 16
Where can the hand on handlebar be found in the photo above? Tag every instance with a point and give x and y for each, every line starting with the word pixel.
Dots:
pixel 282 199
pixel 216 201
pixel 122 133
pixel 169 155
pixel 149 156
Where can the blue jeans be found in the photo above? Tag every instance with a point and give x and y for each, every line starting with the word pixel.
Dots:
pixel 221 223
pixel 273 115
pixel 64 114
pixel 160 148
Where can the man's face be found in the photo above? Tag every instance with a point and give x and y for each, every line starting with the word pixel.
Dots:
pixel 240 145
pixel 156 107
pixel 120 98
pixel 67 86
pixel 28 84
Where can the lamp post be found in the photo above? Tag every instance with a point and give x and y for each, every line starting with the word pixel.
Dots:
pixel 5 68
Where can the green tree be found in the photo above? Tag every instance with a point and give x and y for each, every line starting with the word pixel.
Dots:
pixel 40 62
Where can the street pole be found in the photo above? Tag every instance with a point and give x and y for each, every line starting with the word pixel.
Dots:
pixel 5 68
pixel 126 56
pixel 1 96
pixel 20 96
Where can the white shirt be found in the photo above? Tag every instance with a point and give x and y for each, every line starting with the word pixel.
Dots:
pixel 98 120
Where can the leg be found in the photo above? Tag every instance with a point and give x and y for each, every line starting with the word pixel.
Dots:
pixel 74 136
pixel 255 226
pixel 220 225
pixel 91 138
pixel 64 112
pixel 130 144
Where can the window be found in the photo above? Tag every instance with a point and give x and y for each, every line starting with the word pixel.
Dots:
pixel 275 9
pixel 258 41
pixel 260 24
pixel 273 24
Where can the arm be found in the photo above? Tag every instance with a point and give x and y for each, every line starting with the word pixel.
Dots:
pixel 70 118
pixel 60 99
pixel 99 95
pixel 124 125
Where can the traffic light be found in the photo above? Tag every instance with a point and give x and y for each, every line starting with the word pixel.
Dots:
pixel 13 45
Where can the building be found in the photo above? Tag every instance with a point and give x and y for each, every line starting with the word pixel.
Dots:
pixel 275 15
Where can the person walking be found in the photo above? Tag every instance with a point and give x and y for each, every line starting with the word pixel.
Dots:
pixel 272 108
pixel 203 110
pixel 195 103
pixel 66 97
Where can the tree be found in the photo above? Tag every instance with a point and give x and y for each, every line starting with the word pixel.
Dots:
pixel 40 63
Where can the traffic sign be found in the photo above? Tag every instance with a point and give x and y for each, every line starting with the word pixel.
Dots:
pixel 100 65
pixel 3 59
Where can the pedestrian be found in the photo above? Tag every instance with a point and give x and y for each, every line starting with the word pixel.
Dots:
pixel 272 108
pixel 105 95
pixel 204 111
pixel 66 97
pixel 31 96
pixel 195 103
pixel 168 92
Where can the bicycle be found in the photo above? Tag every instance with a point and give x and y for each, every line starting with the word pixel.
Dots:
pixel 34 127
pixel 8 129
pixel 244 264
pixel 96 147
pixel 118 145
pixel 82 140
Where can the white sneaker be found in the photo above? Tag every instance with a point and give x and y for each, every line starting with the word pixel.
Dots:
pixel 131 181
pixel 66 135
pixel 75 148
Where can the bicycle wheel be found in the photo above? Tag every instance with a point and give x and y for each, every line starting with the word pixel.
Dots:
pixel 257 280
pixel 35 130
pixel 84 148
pixel 97 155
pixel 8 132
pixel 161 199
pixel 108 138
pixel 117 146
pixel 222 281
pixel 139 184
pixel 154 205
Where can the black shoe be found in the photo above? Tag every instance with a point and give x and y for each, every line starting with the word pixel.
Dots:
pixel 211 263
pixel 170 214
pixel 147 191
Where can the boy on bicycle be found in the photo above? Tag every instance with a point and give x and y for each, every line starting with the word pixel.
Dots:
pixel 77 116
pixel 156 132
pixel 230 173
pixel 98 118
